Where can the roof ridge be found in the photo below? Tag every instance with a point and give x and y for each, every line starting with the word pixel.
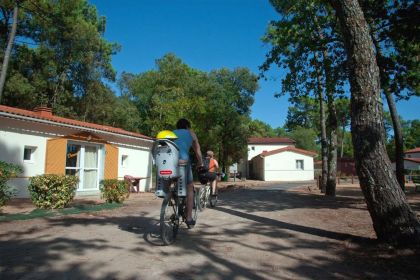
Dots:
pixel 68 121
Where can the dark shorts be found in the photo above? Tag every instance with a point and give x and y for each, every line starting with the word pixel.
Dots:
pixel 211 176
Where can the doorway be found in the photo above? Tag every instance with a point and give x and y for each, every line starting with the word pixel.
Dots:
pixel 83 160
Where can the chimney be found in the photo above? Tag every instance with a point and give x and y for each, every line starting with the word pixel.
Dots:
pixel 43 111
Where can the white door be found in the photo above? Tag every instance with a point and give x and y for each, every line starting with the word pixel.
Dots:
pixel 83 160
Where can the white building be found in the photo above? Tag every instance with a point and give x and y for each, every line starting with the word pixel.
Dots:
pixel 46 144
pixel 412 159
pixel 277 159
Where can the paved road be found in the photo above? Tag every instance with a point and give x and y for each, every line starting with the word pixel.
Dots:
pixel 252 234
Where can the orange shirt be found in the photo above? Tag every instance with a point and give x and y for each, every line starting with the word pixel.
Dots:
pixel 212 165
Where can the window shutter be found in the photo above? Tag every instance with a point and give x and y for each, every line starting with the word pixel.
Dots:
pixel 111 162
pixel 55 158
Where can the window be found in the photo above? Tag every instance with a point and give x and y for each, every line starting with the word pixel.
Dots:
pixel 253 148
pixel 124 161
pixel 82 160
pixel 299 164
pixel 28 154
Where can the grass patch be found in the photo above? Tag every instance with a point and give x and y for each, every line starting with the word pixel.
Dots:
pixel 45 213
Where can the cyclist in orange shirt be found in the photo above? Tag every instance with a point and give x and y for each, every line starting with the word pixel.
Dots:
pixel 212 173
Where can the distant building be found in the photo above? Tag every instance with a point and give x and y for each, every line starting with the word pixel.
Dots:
pixel 277 159
pixel 412 159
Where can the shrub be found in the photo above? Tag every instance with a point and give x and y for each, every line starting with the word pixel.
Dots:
pixel 52 191
pixel 114 190
pixel 7 171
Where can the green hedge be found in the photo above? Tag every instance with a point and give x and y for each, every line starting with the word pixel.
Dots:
pixel 114 190
pixel 52 191
pixel 7 171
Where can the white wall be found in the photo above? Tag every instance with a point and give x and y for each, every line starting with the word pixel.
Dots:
pixel 413 155
pixel 12 145
pixel 16 134
pixel 256 149
pixel 138 164
pixel 411 165
pixel 282 167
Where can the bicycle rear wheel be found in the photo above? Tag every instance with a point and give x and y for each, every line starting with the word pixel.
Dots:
pixel 169 219
pixel 201 200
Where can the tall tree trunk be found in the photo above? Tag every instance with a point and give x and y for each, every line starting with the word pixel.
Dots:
pixel 331 119
pixel 8 50
pixel 332 126
pixel 324 144
pixel 332 146
pixel 342 138
pixel 393 219
pixel 398 136
pixel 398 139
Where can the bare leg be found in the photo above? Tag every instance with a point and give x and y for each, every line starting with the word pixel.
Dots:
pixel 190 200
pixel 213 187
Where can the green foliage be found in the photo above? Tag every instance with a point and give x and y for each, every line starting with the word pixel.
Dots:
pixel 258 128
pixel 394 27
pixel 305 138
pixel 217 103
pixel 114 190
pixel 303 113
pixel 7 171
pixel 411 134
pixel 60 59
pixel 51 191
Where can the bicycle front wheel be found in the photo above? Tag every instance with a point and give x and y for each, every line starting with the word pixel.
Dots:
pixel 195 205
pixel 169 219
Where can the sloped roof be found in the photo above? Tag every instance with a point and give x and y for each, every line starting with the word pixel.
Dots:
pixel 46 115
pixel 270 140
pixel 415 150
pixel 288 149
pixel 417 160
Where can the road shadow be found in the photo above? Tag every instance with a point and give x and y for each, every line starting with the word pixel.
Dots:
pixel 257 246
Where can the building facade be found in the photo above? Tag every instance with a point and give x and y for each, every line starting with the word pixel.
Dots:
pixel 277 159
pixel 46 144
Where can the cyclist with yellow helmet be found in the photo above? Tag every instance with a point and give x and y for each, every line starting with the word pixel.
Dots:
pixel 186 138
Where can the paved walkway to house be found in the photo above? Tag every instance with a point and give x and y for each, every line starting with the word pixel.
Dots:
pixel 256 232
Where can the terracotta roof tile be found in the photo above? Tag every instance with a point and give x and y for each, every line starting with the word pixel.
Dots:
pixel 289 149
pixel 270 140
pixel 415 150
pixel 60 120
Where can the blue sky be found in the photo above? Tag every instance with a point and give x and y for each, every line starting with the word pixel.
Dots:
pixel 206 35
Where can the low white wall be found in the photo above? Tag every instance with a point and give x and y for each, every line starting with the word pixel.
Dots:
pixel 282 167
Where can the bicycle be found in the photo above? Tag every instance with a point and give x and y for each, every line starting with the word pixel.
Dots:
pixel 205 193
pixel 173 212
pixel 171 186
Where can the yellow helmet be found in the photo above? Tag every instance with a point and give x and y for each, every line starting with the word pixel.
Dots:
pixel 166 134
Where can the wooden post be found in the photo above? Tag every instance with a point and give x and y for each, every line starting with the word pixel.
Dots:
pixel 319 181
